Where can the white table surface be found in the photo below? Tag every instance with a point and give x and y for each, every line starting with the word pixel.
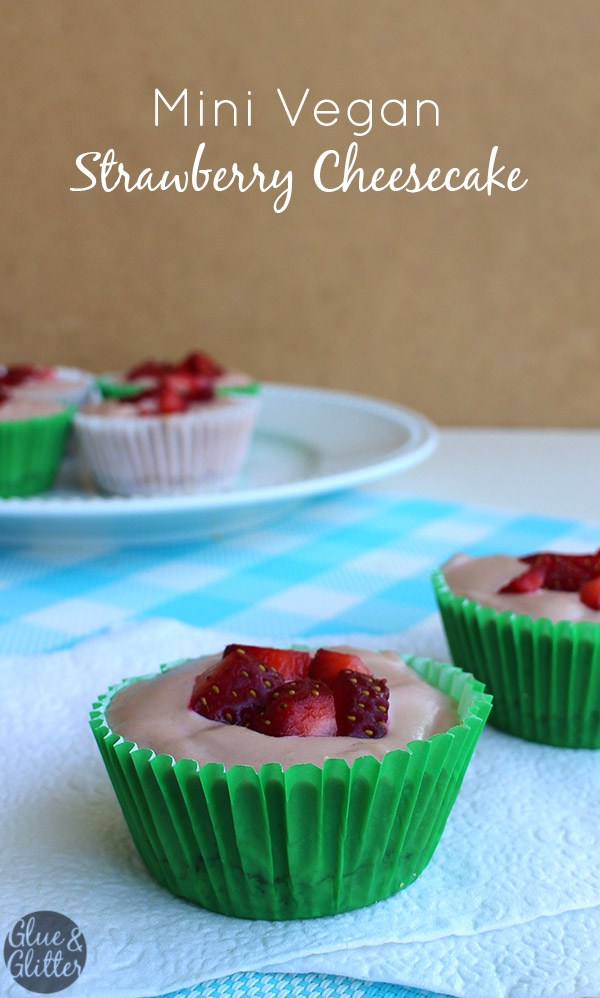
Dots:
pixel 554 472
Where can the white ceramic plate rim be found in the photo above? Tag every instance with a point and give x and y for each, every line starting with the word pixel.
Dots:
pixel 421 440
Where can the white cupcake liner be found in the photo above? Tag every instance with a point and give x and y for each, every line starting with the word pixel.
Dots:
pixel 201 450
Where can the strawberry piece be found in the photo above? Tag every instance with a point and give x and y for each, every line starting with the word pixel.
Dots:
pixel 529 581
pixel 549 558
pixel 16 374
pixel 302 707
pixel 200 389
pixel 175 382
pixel 168 402
pixel 158 402
pixel 565 572
pixel 233 688
pixel 200 363
pixel 361 705
pixel 193 387
pixel 567 577
pixel 590 593
pixel 148 369
pixel 327 664
pixel 171 393
pixel 292 664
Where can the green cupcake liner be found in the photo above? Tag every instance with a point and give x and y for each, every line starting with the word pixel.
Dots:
pixel 114 389
pixel 250 388
pixel 296 843
pixel 31 451
pixel 544 677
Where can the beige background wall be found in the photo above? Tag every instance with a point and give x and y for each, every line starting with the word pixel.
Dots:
pixel 473 309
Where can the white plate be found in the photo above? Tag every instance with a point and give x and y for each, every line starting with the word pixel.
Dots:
pixel 308 442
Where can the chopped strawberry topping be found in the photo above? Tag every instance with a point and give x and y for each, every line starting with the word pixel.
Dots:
pixel 290 663
pixel 193 387
pixel 194 364
pixel 361 705
pixel 16 374
pixel 169 401
pixel 148 369
pixel 302 707
pixel 327 664
pixel 171 393
pixel 232 689
pixel 192 379
pixel 273 691
pixel 569 573
pixel 529 581
pixel 590 593
pixel 200 363
pixel 566 572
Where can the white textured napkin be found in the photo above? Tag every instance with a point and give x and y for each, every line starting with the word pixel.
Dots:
pixel 509 906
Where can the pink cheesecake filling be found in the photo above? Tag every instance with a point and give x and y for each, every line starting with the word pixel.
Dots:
pixel 154 714
pixel 15 408
pixel 229 379
pixel 480 579
pixel 61 384
pixel 117 409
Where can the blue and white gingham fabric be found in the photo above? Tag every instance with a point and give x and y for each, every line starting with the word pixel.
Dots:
pixel 358 563
pixel 354 563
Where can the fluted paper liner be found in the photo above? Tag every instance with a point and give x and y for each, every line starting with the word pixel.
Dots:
pixel 199 450
pixel 31 451
pixel 301 842
pixel 544 677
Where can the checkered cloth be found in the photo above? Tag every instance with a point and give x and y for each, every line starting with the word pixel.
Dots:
pixel 357 563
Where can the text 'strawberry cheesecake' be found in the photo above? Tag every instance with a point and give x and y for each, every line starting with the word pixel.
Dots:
pixel 528 627
pixel 33 437
pixel 277 783
pixel 177 435
pixel 64 385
